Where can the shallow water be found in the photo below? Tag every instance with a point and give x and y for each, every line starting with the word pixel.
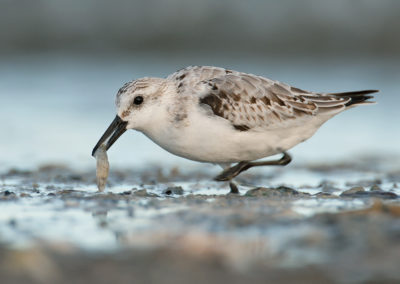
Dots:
pixel 46 205
pixel 322 219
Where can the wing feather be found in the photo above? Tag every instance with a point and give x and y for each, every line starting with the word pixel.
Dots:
pixel 251 102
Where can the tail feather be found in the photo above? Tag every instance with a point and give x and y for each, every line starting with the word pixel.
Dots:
pixel 357 97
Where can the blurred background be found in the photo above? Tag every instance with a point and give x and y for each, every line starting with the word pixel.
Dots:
pixel 62 62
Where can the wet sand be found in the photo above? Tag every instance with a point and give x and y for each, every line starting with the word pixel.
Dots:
pixel 337 223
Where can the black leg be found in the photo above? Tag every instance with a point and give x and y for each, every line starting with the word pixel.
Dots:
pixel 233 187
pixel 234 171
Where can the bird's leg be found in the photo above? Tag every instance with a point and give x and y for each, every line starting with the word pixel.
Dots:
pixel 233 187
pixel 286 159
pixel 230 173
pixel 234 171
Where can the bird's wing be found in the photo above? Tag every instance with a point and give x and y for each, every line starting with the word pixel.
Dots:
pixel 251 102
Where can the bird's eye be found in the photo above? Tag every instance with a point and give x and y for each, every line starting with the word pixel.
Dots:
pixel 138 100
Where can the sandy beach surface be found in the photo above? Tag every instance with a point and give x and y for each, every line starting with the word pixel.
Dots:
pixel 305 224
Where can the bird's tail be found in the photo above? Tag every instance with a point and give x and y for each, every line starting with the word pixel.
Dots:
pixel 357 97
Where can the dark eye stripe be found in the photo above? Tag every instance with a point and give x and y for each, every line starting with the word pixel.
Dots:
pixel 138 100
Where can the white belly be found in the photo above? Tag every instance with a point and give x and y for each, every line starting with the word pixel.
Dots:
pixel 214 140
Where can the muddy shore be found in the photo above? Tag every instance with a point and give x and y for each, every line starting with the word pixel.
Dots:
pixel 305 224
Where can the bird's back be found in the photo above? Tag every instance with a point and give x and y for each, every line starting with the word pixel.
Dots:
pixel 250 102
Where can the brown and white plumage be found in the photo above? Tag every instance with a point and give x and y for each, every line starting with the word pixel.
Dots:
pixel 255 103
pixel 216 115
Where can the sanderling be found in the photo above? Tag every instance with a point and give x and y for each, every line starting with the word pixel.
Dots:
pixel 221 116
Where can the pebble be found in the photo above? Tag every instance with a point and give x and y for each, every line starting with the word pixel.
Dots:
pixel 281 191
pixel 353 190
pixel 178 190
pixel 144 193
pixel 375 187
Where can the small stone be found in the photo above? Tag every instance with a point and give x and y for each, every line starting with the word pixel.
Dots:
pixel 178 190
pixel 353 190
pixel 324 195
pixel 375 187
pixel 281 191
pixel 7 195
pixel 144 193
pixel 383 194
pixel 359 192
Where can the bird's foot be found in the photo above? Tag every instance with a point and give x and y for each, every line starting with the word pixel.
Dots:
pixel 234 188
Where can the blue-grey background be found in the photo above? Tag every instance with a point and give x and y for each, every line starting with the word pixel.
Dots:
pixel 61 63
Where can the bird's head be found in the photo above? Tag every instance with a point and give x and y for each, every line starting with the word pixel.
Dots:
pixel 137 104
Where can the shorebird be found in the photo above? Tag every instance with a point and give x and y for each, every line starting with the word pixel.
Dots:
pixel 220 116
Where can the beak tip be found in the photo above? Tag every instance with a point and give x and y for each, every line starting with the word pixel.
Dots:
pixel 113 132
pixel 94 151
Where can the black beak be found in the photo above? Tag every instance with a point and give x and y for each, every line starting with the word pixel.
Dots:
pixel 113 132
